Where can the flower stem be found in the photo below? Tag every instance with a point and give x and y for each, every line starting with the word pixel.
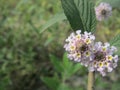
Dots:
pixel 91 79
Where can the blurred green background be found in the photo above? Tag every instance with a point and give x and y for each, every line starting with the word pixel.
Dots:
pixel 33 61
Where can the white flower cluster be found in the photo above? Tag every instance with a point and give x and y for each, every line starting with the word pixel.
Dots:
pixel 104 59
pixel 79 47
pixel 103 11
pixel 94 55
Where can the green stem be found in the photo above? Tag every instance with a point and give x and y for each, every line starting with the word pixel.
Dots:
pixel 91 79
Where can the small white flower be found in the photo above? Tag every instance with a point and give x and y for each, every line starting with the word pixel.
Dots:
pixel 103 11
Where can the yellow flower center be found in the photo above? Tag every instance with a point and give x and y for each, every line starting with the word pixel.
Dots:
pixel 87 54
pixel 104 49
pixel 78 36
pixel 110 57
pixel 106 63
pixel 72 48
pixel 78 55
pixel 101 64
pixel 88 41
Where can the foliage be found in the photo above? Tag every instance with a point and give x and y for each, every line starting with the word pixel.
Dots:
pixel 24 53
pixel 64 69
pixel 21 46
pixel 115 3
pixel 116 42
pixel 80 14
pixel 56 18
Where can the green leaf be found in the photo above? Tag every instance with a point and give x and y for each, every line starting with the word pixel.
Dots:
pixel 55 19
pixel 80 14
pixel 100 83
pixel 66 62
pixel 70 67
pixel 52 83
pixel 76 67
pixel 115 41
pixel 116 86
pixel 48 41
pixel 64 86
pixel 56 62
pixel 113 3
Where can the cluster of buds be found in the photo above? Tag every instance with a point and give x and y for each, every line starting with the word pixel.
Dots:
pixel 103 11
pixel 96 56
